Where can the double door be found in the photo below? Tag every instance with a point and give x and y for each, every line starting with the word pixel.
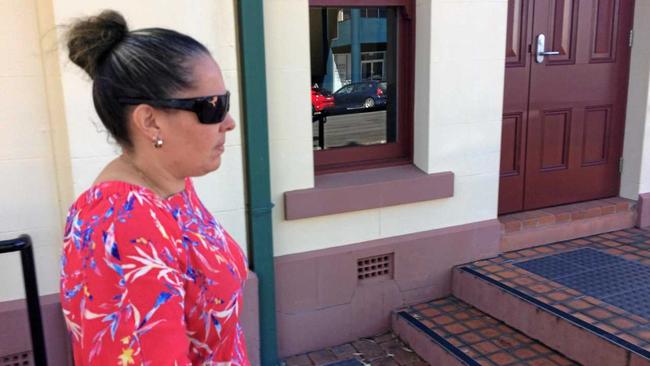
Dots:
pixel 567 65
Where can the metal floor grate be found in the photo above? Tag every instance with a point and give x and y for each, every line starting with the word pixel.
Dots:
pixel 614 280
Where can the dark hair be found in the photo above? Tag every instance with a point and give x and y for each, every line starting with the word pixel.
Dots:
pixel 148 63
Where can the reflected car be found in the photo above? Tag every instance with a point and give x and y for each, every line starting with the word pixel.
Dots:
pixel 364 94
pixel 320 100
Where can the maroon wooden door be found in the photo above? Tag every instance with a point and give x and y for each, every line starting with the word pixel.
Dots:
pixel 563 126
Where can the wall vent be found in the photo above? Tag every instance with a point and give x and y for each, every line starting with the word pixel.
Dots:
pixel 17 359
pixel 376 267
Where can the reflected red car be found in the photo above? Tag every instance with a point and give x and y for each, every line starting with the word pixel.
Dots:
pixel 320 100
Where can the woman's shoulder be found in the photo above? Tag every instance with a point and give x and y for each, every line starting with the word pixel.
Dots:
pixel 109 202
pixel 112 192
pixel 114 211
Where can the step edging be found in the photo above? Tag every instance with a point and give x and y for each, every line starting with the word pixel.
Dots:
pixel 561 314
pixel 442 342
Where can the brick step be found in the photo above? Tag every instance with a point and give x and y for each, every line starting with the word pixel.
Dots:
pixel 451 332
pixel 538 292
pixel 547 225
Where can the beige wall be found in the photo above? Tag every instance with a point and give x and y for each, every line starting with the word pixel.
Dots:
pixel 212 23
pixel 52 144
pixel 458 105
pixel 636 153
pixel 28 190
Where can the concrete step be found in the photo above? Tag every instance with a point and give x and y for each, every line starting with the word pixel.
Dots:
pixel 450 332
pixel 594 311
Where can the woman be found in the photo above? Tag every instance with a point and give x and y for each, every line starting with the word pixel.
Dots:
pixel 148 276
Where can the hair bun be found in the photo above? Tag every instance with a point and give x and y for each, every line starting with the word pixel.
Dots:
pixel 91 39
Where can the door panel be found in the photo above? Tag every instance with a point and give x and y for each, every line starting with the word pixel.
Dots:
pixel 515 106
pixel 596 135
pixel 563 31
pixel 511 132
pixel 591 90
pixel 554 145
pixel 572 104
pixel 604 32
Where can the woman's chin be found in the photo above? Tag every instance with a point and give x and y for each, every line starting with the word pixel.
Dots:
pixel 208 166
pixel 214 164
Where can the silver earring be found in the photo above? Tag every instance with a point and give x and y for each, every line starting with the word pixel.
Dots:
pixel 157 142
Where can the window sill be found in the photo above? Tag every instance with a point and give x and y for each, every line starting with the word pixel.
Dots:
pixel 366 189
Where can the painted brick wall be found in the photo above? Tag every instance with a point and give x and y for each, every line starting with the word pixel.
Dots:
pixel 636 152
pixel 52 144
pixel 28 188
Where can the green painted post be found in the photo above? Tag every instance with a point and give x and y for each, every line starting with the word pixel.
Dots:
pixel 260 225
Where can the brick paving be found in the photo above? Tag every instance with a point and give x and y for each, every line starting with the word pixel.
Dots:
pixel 381 350
pixel 486 340
pixel 631 244
pixel 521 221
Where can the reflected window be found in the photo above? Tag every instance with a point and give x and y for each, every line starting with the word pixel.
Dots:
pixel 353 74
pixel 355 81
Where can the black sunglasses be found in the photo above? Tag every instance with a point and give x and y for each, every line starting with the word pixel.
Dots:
pixel 210 110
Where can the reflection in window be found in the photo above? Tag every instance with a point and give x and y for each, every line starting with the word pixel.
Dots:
pixel 353 72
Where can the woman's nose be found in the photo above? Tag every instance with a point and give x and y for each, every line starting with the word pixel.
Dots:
pixel 228 124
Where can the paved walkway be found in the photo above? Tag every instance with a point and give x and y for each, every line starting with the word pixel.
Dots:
pixel 381 350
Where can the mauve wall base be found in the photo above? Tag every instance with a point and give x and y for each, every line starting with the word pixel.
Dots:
pixel 320 302
pixel 14 330
pixel 15 337
pixel 643 207
pixel 250 318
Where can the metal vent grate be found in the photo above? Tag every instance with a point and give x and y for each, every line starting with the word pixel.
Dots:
pixel 17 359
pixel 380 266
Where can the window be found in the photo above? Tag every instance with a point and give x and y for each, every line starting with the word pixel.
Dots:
pixel 362 83
pixel 372 66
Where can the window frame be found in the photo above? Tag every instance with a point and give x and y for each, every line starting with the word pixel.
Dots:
pixel 390 154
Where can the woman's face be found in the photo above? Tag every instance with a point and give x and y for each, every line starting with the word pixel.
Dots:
pixel 190 147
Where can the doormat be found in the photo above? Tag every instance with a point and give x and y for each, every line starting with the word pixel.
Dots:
pixel 609 278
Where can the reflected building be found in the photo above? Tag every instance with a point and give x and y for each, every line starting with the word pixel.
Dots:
pixel 348 45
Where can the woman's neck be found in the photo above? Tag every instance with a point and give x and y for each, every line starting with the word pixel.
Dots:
pixel 153 176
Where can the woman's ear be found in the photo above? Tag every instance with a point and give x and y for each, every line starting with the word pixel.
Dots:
pixel 144 121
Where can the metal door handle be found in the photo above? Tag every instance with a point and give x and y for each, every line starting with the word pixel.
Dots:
pixel 540 53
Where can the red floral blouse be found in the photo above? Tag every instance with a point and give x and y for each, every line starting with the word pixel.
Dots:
pixel 150 281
